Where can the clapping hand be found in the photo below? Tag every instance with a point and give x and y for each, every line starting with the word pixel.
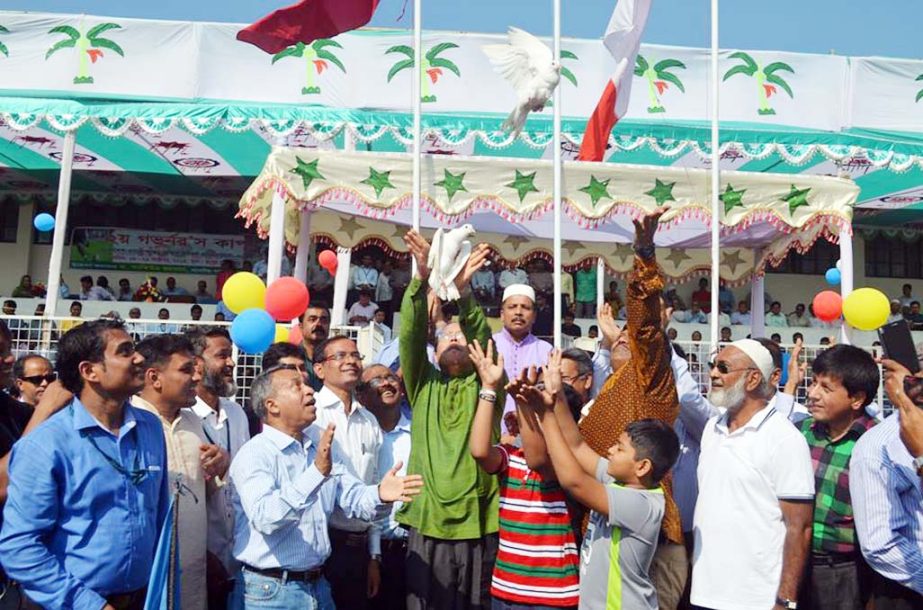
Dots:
pixel 489 372
pixel 399 489
pixel 323 460
pixel 529 392
pixel 607 326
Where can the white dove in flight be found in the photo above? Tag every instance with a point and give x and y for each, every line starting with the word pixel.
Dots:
pixel 529 65
pixel 447 257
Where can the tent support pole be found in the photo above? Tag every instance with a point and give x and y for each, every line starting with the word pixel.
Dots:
pixel 757 300
pixel 60 224
pixel 418 74
pixel 715 181
pixel 600 286
pixel 304 246
pixel 340 286
pixel 846 278
pixel 276 237
pixel 556 270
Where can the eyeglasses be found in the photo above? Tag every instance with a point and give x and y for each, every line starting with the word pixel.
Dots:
pixel 570 379
pixel 452 336
pixel 377 382
pixel 341 356
pixel 38 379
pixel 724 369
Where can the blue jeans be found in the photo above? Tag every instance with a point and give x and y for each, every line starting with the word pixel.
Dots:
pixel 502 604
pixel 256 591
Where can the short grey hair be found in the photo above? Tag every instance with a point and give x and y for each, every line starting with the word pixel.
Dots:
pixel 261 390
pixel 581 359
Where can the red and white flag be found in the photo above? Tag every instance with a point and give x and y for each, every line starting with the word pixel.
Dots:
pixel 623 39
pixel 307 21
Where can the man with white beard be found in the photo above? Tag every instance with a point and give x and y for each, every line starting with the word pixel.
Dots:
pixel 756 488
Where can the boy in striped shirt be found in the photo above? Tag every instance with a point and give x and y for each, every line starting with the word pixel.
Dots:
pixel 537 561
pixel 623 492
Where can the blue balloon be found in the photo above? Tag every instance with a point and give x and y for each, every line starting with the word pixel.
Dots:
pixel 833 276
pixel 253 331
pixel 44 222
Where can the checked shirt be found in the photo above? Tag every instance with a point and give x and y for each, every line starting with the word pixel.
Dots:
pixel 834 529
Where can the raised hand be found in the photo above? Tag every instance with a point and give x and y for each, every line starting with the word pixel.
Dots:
pixel 796 369
pixel 419 249
pixel 911 416
pixel 475 261
pixel 399 489
pixel 324 460
pixel 533 394
pixel 647 226
pixel 552 377
pixel 607 326
pixel 489 372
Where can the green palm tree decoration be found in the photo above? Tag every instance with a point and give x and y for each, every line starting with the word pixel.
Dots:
pixel 920 92
pixel 565 71
pixel 89 47
pixel 658 76
pixel 3 48
pixel 316 56
pixel 766 78
pixel 433 66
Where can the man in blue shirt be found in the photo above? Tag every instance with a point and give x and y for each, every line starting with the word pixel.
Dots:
pixel 88 488
pixel 286 484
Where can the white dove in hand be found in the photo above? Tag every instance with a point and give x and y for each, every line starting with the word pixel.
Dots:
pixel 447 258
pixel 529 65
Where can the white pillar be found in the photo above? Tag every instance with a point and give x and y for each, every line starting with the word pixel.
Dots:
pixel 60 224
pixel 757 300
pixel 304 247
pixel 715 181
pixel 600 286
pixel 556 193
pixel 276 237
pixel 340 286
pixel 846 279
pixel 418 74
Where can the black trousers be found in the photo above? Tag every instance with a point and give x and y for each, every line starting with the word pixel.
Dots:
pixel 347 569
pixel 833 583
pixel 889 595
pixel 393 592
pixel 449 574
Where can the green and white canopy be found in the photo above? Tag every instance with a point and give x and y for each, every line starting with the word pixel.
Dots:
pixel 183 112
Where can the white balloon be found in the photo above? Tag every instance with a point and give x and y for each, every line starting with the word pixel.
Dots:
pixel 838 265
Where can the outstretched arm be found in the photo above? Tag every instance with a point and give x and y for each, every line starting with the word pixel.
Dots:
pixel 471 316
pixel 415 320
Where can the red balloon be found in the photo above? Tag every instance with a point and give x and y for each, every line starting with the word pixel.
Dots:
pixel 295 337
pixel 328 260
pixel 286 299
pixel 828 305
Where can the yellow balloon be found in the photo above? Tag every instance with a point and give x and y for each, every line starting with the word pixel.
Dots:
pixel 281 334
pixel 242 291
pixel 866 309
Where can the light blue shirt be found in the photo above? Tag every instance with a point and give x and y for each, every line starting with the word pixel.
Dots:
pixel 395 447
pixel 76 529
pixel 282 502
pixel 887 503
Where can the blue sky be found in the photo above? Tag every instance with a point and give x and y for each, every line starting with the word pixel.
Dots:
pixel 849 27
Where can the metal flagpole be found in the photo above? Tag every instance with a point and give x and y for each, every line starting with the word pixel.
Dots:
pixel 304 246
pixel 715 181
pixel 556 271
pixel 417 110
pixel 60 224
pixel 846 279
pixel 276 236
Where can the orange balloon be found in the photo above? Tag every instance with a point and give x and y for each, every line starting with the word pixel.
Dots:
pixel 828 305
pixel 328 260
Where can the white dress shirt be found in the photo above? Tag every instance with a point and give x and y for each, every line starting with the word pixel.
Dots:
pixel 383 291
pixel 395 447
pixel 508 277
pixel 283 502
pixel 887 502
pixel 357 442
pixel 363 276
pixel 229 429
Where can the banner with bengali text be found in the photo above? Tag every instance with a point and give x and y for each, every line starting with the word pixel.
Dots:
pixel 133 250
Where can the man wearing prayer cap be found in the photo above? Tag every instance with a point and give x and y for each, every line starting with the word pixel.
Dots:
pixel 515 342
pixel 753 517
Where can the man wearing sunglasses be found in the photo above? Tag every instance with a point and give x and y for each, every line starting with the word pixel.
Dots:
pixel 33 375
pixel 353 566
pixel 886 478
pixel 88 488
pixel 753 516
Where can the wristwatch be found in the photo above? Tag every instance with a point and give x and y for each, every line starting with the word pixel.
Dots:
pixel 787 603
pixel 918 465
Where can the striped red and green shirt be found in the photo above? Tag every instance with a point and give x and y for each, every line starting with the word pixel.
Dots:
pixel 537 562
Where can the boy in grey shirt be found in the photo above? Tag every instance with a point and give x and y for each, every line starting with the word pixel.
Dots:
pixel 622 491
